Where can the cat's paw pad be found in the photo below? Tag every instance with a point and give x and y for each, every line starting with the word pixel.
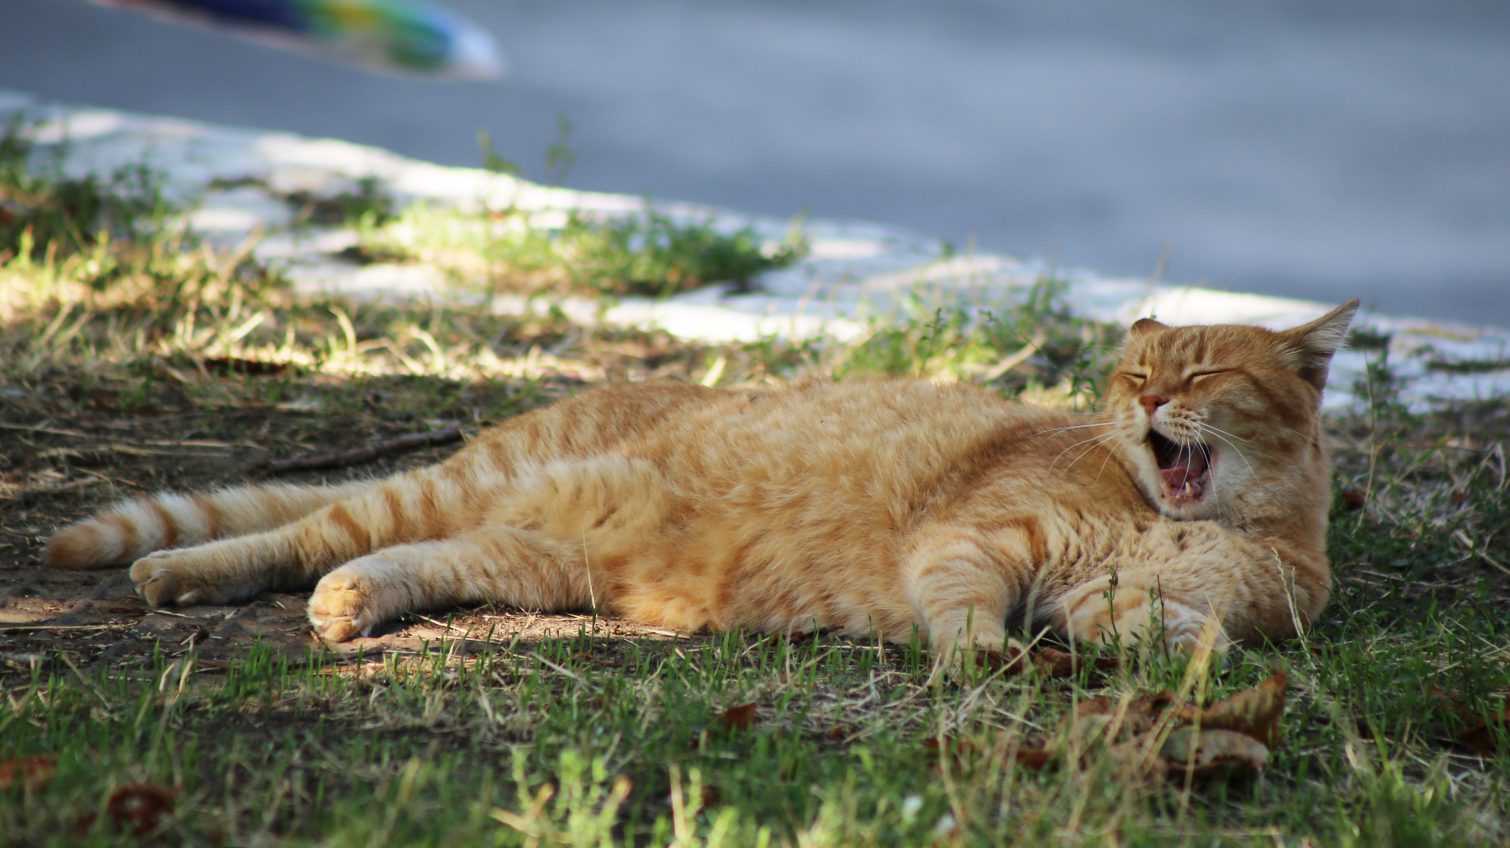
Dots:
pixel 341 607
pixel 1130 616
pixel 167 578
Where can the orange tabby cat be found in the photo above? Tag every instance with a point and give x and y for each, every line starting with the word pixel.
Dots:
pixel 1197 500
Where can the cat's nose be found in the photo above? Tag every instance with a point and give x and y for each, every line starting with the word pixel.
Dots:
pixel 1152 403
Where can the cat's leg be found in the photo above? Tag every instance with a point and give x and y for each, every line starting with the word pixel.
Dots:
pixel 428 503
pixel 513 567
pixel 307 531
pixel 962 583
pixel 1219 588
pixel 571 428
pixel 599 502
pixel 134 528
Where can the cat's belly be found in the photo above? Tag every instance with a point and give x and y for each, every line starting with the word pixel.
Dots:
pixel 718 575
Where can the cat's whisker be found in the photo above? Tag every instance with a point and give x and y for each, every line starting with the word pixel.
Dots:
pixel 1083 454
pixel 1235 449
pixel 1054 430
pixel 1273 428
pixel 1093 439
pixel 1206 425
pixel 1206 452
pixel 1104 461
pixel 1072 446
pixel 1104 438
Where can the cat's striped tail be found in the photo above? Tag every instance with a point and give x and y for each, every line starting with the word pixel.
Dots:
pixel 132 529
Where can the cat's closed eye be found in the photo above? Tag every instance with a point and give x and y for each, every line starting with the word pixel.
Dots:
pixel 1210 372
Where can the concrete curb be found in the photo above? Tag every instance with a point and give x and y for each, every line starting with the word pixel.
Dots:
pixel 857 274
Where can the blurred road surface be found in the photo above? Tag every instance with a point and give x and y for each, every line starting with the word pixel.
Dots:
pixel 1288 147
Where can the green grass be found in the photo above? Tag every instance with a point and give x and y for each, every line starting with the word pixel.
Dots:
pixel 588 741
pixel 109 317
pixel 365 203
pixel 43 212
pixel 515 250
pixel 1038 348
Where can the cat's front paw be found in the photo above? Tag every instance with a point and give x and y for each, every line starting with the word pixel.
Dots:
pixel 341 607
pixel 1134 611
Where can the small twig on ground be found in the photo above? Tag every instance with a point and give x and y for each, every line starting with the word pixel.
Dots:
pixel 1017 358
pixel 357 456
pixel 51 431
pixel 8 628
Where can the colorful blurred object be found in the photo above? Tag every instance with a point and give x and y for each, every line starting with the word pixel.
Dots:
pixel 405 36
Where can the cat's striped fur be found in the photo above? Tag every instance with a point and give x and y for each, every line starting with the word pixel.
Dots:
pixel 869 506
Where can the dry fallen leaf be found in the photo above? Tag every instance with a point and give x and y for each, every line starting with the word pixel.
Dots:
pixel 1010 660
pixel 1252 712
pixel 137 807
pixel 1116 719
pixel 948 748
pixel 27 772
pixel 140 807
pixel 737 718
pixel 1203 753
pixel 1033 759
pixel 1156 735
pixel 1053 662
pixel 1480 738
pixel 1050 662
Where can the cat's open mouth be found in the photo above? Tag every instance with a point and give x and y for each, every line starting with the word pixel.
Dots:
pixel 1185 470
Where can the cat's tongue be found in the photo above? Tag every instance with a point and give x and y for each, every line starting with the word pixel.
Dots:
pixel 1188 466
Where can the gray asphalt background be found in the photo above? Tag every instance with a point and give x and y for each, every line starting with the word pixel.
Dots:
pixel 1288 147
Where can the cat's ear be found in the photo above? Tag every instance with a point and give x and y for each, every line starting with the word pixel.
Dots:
pixel 1310 346
pixel 1147 325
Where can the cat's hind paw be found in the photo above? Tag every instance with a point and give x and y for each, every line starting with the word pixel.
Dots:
pixel 178 578
pixel 341 607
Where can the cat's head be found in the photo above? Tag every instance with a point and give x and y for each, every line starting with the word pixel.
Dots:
pixel 1208 414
